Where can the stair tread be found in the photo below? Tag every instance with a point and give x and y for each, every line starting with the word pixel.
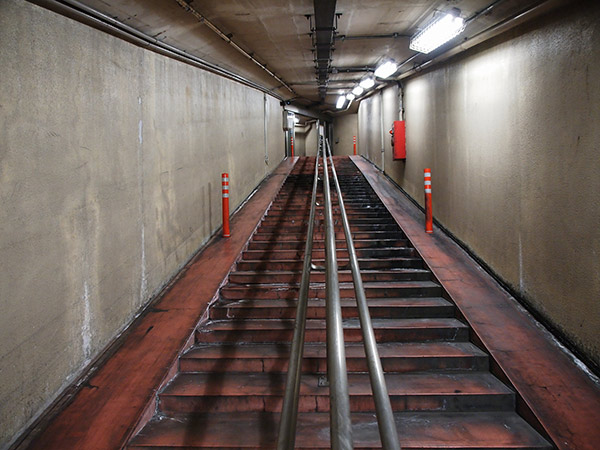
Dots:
pixel 283 324
pixel 295 272
pixel 353 349
pixel 370 284
pixel 416 430
pixel 360 258
pixel 233 384
pixel 345 302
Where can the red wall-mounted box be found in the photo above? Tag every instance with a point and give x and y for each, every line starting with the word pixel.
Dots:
pixel 399 139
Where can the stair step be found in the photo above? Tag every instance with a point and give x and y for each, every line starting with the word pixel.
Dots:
pixel 416 430
pixel 345 276
pixel 284 254
pixel 372 290
pixel 363 263
pixel 280 330
pixel 406 357
pixel 299 245
pixel 301 228
pixel 430 391
pixel 287 235
pixel 378 307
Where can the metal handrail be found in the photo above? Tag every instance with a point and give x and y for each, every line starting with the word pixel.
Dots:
pixel 339 399
pixel 383 408
pixel 289 411
pixel 341 426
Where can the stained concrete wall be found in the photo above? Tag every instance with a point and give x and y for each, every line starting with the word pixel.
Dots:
pixel 300 139
pixel 511 131
pixel 311 140
pixel 370 120
pixel 344 129
pixel 110 163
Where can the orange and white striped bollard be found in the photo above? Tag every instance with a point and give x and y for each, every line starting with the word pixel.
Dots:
pixel 225 189
pixel 354 142
pixel 292 144
pixel 428 208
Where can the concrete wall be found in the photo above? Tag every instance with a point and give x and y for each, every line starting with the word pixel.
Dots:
pixel 369 125
pixel 511 131
pixel 300 139
pixel 311 140
pixel 344 129
pixel 371 136
pixel 110 163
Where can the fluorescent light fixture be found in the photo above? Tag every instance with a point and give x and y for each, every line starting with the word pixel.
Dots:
pixel 387 69
pixel 438 32
pixel 350 96
pixel 341 101
pixel 358 90
pixel 367 83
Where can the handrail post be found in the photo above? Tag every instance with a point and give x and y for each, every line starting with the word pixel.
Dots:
pixel 383 408
pixel 289 411
pixel 339 408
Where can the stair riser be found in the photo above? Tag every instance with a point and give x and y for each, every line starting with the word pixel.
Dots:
pixel 291 266
pixel 300 221
pixel 300 245
pixel 286 235
pixel 250 293
pixel 279 255
pixel 396 312
pixel 319 365
pixel 304 214
pixel 173 404
pixel 350 335
pixel 319 277
pixel 320 227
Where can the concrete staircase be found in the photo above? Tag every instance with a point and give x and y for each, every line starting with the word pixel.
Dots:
pixel 229 389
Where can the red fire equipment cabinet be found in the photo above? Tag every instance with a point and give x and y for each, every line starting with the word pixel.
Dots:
pixel 398 133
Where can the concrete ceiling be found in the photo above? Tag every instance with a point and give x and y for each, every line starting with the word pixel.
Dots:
pixel 277 33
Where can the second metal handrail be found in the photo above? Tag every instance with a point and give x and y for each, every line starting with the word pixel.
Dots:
pixel 383 408
pixel 289 411
pixel 339 399
pixel 341 426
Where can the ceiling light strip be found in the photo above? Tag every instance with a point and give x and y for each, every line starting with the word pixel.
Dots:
pixel 438 32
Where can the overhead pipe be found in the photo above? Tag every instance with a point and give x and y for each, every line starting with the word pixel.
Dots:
pixel 89 16
pixel 323 39
pixel 202 19
pixel 343 37
pixel 351 69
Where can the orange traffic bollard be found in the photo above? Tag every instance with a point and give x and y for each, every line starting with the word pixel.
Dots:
pixel 292 145
pixel 354 140
pixel 225 189
pixel 428 208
